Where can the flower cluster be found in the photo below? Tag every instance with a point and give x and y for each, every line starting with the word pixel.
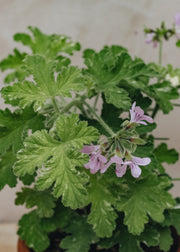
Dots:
pixel 99 162
pixel 154 36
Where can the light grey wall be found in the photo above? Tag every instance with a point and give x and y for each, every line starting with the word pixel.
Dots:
pixel 94 23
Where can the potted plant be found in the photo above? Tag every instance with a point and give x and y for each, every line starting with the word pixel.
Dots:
pixel 92 175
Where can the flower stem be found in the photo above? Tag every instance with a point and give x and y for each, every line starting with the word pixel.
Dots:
pixel 100 120
pixel 55 105
pixel 161 138
pixel 175 179
pixel 155 111
pixel 160 52
pixel 96 100
pixel 70 105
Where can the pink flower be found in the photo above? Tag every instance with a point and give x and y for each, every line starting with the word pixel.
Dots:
pixel 137 115
pixel 177 19
pixel 97 160
pixel 121 167
pixel 96 163
pixel 90 149
pixel 150 39
pixel 177 24
pixel 133 165
pixel 117 160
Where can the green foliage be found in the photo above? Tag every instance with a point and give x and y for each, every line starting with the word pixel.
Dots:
pixel 172 218
pixel 47 45
pixel 16 63
pixel 114 73
pixel 162 153
pixel 102 215
pixel 34 230
pixel 41 143
pixel 44 201
pixel 163 93
pixel 166 239
pixel 7 176
pixel 129 242
pixel 59 163
pixel 46 87
pixel 14 127
pixel 81 236
pixel 145 198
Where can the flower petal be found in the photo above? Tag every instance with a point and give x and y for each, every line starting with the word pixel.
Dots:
pixel 177 18
pixel 147 118
pixel 135 171
pixel 88 149
pixel 120 170
pixel 141 161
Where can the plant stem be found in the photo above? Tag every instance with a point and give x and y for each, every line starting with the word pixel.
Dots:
pixel 160 63
pixel 175 179
pixel 155 111
pixel 161 138
pixel 55 105
pixel 100 120
pixel 96 100
pixel 176 104
pixel 160 52
pixel 70 105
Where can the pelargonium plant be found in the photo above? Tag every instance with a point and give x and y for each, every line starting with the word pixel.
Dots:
pixel 81 142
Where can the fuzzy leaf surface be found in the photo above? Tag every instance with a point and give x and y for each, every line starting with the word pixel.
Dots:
pixel 145 198
pixel 163 93
pixel 82 235
pixel 172 219
pixel 115 73
pixel 129 242
pixel 15 62
pixel 48 45
pixel 43 200
pixel 35 230
pixel 14 127
pixel 102 215
pixel 7 176
pixel 162 153
pixel 45 86
pixel 57 159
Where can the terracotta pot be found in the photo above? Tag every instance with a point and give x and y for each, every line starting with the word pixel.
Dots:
pixel 21 247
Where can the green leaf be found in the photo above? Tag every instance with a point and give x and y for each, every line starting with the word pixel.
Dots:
pixel 117 96
pixel 129 242
pixel 31 231
pixel 43 200
pixel 116 74
pixel 16 63
pixel 28 179
pixel 56 159
pixel 102 215
pixel 166 239
pixel 162 153
pixel 178 43
pixel 47 45
pixel 82 235
pixel 35 230
pixel 7 176
pixel 172 219
pixel 143 129
pixel 14 127
pixel 145 198
pixel 46 87
pixel 163 93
